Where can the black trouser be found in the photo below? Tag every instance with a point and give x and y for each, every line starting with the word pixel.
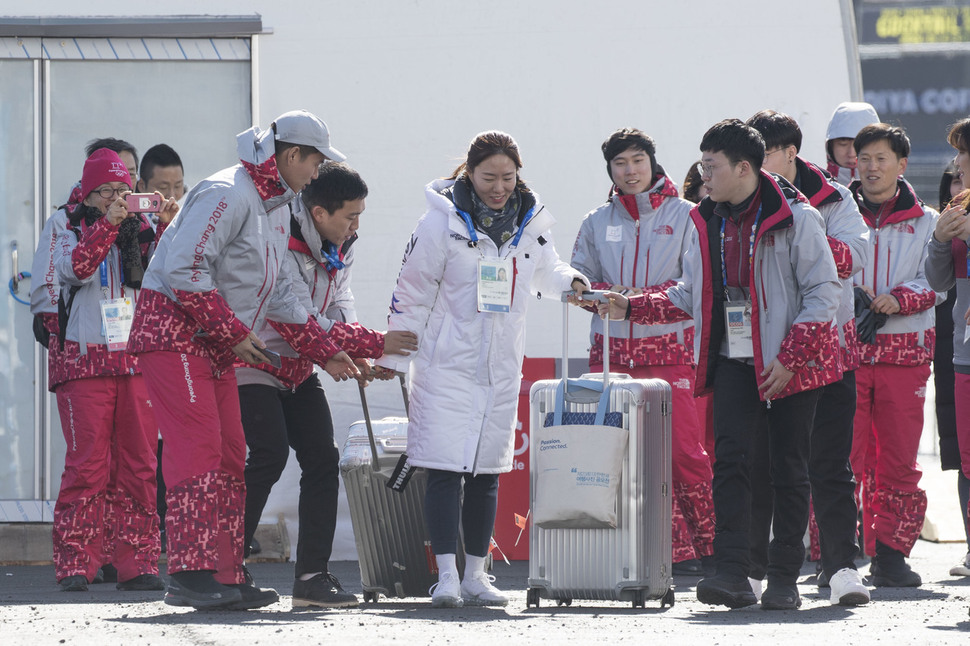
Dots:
pixel 275 420
pixel 739 416
pixel 830 475
pixel 447 500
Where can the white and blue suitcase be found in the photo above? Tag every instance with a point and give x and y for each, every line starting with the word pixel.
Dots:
pixel 631 562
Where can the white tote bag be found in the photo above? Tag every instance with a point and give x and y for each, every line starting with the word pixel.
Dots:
pixel 578 467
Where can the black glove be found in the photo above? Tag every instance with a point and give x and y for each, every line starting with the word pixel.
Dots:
pixel 867 321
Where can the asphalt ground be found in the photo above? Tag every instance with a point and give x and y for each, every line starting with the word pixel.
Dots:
pixel 33 611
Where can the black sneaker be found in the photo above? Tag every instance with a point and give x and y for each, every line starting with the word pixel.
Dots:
pixel 200 590
pixel 780 596
pixel 720 590
pixel 690 567
pixel 322 591
pixel 142 582
pixel 253 597
pixel 889 569
pixel 75 583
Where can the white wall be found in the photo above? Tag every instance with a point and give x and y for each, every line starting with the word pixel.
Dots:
pixel 404 86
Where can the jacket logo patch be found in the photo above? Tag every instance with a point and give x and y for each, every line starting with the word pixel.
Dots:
pixel 664 230
pixel 683 384
pixel 903 227
pixel 770 240
pixel 458 236
pixel 614 234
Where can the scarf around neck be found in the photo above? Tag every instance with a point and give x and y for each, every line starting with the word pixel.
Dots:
pixel 499 225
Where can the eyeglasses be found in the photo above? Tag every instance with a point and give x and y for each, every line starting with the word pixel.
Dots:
pixel 706 170
pixel 776 150
pixel 107 192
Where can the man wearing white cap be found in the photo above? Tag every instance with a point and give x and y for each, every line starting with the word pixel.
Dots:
pixel 846 122
pixel 216 276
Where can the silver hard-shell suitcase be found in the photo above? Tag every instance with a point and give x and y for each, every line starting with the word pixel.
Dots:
pixel 393 546
pixel 633 561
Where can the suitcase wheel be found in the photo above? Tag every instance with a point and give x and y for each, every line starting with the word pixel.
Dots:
pixel 638 600
pixel 371 597
pixel 668 598
pixel 562 602
pixel 532 598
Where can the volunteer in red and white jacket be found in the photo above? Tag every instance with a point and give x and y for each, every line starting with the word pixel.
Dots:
pixel 891 382
pixel 216 276
pixel 45 287
pixel 760 252
pixel 833 488
pixel 287 407
pixel 467 371
pixel 636 242
pixel 846 122
pixel 105 413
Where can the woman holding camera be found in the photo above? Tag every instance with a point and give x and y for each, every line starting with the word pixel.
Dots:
pixel 481 221
pixel 105 413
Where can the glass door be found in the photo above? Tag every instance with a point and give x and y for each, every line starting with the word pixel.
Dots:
pixel 21 442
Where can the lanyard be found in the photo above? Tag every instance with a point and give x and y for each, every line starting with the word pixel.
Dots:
pixel 473 236
pixel 754 230
pixel 525 221
pixel 103 268
pixel 332 258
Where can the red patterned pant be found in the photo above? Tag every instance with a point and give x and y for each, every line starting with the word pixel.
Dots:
pixel 693 507
pixel 887 429
pixel 109 472
pixel 203 458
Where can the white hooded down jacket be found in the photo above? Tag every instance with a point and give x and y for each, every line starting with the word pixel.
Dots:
pixel 467 370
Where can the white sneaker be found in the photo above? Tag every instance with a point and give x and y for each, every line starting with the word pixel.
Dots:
pixel 962 568
pixel 477 590
pixel 848 588
pixel 446 593
pixel 756 587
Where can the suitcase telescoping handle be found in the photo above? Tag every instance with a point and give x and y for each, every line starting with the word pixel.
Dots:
pixel 595 295
pixel 367 419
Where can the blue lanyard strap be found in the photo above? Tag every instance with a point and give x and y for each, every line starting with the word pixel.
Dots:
pixel 104 275
pixel 472 236
pixel 333 257
pixel 754 231
pixel 525 221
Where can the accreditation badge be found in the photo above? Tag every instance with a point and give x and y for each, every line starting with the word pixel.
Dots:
pixel 738 323
pixel 116 315
pixel 494 285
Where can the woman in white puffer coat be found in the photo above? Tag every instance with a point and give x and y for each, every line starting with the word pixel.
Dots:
pixel 471 340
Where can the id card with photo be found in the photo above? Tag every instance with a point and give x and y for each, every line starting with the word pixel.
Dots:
pixel 116 315
pixel 494 285
pixel 738 324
